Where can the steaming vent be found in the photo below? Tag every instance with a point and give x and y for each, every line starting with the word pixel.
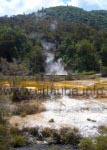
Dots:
pixel 52 67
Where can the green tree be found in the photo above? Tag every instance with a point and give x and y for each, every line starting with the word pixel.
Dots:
pixel 104 54
pixel 86 56
pixel 36 60
pixel 14 43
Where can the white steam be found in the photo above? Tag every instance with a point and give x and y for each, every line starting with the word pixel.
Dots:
pixel 52 67
pixel 53 25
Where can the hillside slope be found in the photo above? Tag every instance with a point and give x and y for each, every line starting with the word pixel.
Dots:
pixel 71 36
pixel 77 15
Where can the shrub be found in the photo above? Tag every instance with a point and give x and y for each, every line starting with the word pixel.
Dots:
pixel 102 129
pixel 61 147
pixel 4 144
pixel 54 147
pixel 18 141
pixel 2 130
pixel 24 94
pixel 4 140
pixel 103 70
pixel 56 136
pixel 29 109
pixel 87 73
pixel 47 132
pixel 34 131
pixel 86 144
pixel 15 131
pixel 64 130
pixel 23 114
pixel 69 77
pixel 101 143
pixel 70 136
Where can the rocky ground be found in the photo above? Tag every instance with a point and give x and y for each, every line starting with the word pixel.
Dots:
pixel 47 147
pixel 85 114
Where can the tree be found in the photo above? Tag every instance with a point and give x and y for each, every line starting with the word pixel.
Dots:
pixel 14 68
pixel 86 56
pixel 14 43
pixel 104 54
pixel 36 60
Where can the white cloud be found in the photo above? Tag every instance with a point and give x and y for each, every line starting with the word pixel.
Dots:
pixel 13 7
pixel 89 4
pixel 74 3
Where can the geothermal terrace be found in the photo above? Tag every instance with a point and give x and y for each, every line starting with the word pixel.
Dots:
pixel 86 113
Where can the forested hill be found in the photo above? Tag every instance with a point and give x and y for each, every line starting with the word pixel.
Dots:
pixel 80 39
pixel 96 18
pixel 77 15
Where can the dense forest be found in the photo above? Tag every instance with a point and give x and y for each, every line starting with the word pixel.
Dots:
pixel 80 39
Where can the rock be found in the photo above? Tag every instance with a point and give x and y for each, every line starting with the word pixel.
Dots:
pixel 30 140
pixel 91 120
pixel 50 140
pixel 88 119
pixel 51 121
pixel 42 142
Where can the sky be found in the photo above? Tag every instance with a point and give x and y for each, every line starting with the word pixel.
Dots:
pixel 14 7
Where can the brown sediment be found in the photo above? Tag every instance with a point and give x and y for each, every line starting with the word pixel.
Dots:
pixel 80 84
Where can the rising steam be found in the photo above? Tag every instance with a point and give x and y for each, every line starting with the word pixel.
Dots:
pixel 52 67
